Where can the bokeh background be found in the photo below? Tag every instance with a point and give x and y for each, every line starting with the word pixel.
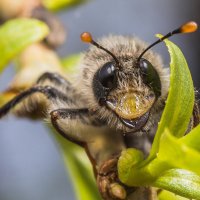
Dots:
pixel 31 167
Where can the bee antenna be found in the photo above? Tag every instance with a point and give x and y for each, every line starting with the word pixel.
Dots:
pixel 87 38
pixel 188 27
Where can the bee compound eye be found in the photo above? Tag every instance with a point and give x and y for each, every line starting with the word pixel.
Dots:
pixel 107 76
pixel 150 76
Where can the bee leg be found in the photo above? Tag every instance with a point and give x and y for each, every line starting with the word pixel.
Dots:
pixel 54 78
pixel 50 92
pixel 66 122
pixel 108 182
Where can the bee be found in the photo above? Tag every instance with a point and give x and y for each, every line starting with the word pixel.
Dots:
pixel 115 101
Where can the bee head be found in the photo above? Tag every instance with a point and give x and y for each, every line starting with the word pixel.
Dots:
pixel 128 78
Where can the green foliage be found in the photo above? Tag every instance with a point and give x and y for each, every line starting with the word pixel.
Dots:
pixel 17 34
pixel 171 151
pixel 70 62
pixel 184 156
pixel 181 182
pixel 166 195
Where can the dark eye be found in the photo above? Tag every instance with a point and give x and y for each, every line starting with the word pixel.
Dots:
pixel 107 76
pixel 150 76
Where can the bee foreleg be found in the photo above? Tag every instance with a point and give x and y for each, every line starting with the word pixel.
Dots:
pixel 66 122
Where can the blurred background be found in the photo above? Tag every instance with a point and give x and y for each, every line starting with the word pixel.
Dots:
pixel 31 167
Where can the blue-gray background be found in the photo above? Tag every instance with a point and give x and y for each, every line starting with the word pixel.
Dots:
pixel 30 165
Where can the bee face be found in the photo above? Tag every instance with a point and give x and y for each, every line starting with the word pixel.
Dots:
pixel 124 93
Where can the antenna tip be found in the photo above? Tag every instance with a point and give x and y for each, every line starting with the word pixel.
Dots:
pixel 86 37
pixel 189 27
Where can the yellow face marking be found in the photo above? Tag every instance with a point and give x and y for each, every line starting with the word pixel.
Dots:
pixel 131 105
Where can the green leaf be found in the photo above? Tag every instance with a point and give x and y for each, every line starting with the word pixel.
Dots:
pixel 166 195
pixel 70 63
pixel 181 182
pixel 180 101
pixel 176 153
pixel 127 161
pixel 192 139
pixel 79 168
pixel 132 172
pixel 55 5
pixel 17 34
